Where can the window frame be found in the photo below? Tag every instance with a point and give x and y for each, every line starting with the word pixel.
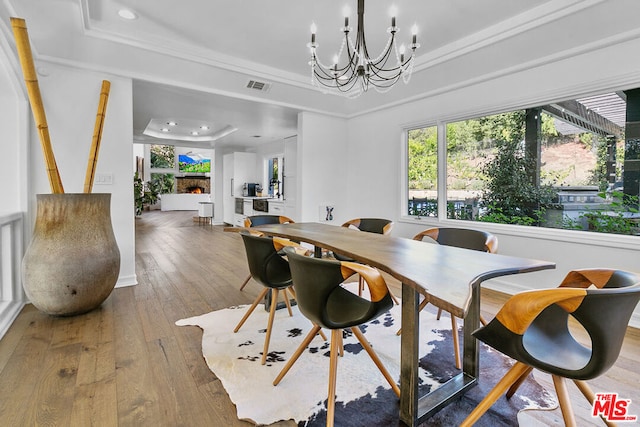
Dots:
pixel 551 234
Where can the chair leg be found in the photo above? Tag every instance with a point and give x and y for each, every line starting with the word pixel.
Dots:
pixel 565 404
pixel 293 292
pixel 245 282
pixel 510 377
pixel 336 337
pixel 393 297
pixel 514 387
pixel 296 354
pixel 360 285
pixel 588 393
pixel 287 302
pixel 439 314
pixel 365 344
pixel 456 343
pixel 272 314
pixel 483 321
pixel 253 307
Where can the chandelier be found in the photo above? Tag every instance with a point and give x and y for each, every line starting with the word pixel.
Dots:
pixel 360 70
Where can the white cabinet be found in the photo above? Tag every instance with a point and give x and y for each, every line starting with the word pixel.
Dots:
pixel 276 208
pixel 237 168
pixel 238 220
pixel 248 207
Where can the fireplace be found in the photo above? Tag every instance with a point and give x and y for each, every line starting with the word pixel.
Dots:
pixel 193 184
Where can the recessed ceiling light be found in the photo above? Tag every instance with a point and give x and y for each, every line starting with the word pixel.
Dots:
pixel 172 123
pixel 127 14
pixel 204 127
pixel 164 130
pixel 194 133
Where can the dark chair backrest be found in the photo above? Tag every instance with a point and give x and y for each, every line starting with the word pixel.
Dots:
pixel 465 238
pixel 256 220
pixel 322 300
pixel 371 225
pixel 603 311
pixel 266 265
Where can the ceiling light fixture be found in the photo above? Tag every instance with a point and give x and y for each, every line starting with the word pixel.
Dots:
pixel 127 14
pixel 172 123
pixel 204 127
pixel 164 130
pixel 361 71
pixel 194 133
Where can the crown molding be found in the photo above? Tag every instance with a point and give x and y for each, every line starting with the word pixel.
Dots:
pixel 188 53
pixel 504 30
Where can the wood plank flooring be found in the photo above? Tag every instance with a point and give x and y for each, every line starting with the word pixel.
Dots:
pixel 127 364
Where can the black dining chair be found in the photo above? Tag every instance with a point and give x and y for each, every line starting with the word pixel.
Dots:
pixel 326 304
pixel 465 238
pixel 256 220
pixel 369 225
pixel 269 268
pixel 533 327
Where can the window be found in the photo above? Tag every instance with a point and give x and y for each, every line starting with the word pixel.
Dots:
pixel 559 165
pixel 275 177
pixel 422 167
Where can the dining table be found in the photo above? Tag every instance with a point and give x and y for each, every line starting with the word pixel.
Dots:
pixel 448 277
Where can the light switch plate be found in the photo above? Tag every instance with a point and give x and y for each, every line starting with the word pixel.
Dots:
pixel 103 179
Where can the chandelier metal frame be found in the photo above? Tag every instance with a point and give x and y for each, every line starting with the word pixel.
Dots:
pixel 361 71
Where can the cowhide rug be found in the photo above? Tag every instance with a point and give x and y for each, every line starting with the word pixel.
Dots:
pixel 363 396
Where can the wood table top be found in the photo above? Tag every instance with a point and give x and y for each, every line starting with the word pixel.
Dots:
pixel 444 274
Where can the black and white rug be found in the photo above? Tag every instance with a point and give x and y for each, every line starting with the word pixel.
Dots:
pixel 363 396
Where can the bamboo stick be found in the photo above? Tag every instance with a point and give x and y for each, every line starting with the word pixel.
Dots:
pixel 97 136
pixel 35 99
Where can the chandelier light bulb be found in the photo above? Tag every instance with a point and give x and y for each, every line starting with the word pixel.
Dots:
pixel 346 11
pixel 393 11
pixel 313 35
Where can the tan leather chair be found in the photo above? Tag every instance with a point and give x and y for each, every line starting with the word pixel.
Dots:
pixel 532 328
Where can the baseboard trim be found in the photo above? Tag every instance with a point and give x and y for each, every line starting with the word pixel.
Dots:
pixel 124 281
pixel 8 313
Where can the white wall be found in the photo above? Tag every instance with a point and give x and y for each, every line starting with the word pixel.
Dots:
pixel 70 98
pixel 14 127
pixel 322 167
pixel 375 157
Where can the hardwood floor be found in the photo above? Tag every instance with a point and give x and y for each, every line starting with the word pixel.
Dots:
pixel 127 363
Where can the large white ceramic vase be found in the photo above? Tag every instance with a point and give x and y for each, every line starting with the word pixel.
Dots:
pixel 72 262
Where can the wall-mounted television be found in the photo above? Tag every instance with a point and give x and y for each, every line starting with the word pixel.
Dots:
pixel 194 163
